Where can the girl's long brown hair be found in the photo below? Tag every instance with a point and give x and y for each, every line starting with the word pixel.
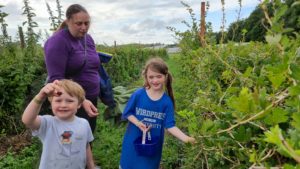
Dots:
pixel 158 65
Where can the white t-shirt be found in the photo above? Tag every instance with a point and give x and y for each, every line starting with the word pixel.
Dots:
pixel 64 143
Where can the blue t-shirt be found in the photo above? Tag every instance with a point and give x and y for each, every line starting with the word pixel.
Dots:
pixel 159 114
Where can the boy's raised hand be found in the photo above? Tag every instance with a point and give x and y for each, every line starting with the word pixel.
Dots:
pixel 51 89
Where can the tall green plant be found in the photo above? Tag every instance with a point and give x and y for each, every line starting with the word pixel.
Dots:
pixel 5 38
pixel 60 12
pixel 188 39
pixel 31 37
pixel 52 18
pixel 55 20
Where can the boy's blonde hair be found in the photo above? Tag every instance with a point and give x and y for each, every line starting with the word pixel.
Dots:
pixel 73 89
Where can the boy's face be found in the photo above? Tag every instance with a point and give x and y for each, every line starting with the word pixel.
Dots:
pixel 65 106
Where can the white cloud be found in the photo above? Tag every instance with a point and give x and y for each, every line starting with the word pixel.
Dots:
pixel 131 20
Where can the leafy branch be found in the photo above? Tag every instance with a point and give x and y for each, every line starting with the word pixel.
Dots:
pixel 275 136
pixel 281 97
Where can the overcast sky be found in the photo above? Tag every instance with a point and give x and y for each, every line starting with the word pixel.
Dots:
pixel 130 21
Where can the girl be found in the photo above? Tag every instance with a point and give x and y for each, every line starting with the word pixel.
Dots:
pixel 150 109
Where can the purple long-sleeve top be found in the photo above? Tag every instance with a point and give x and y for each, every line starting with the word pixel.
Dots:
pixel 65 57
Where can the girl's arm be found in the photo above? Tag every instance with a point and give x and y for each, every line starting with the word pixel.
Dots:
pixel 138 123
pixel 89 157
pixel 175 131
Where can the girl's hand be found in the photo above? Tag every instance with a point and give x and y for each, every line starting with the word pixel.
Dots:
pixel 190 140
pixel 142 126
pixel 90 109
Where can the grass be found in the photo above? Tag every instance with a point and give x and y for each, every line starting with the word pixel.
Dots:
pixel 108 142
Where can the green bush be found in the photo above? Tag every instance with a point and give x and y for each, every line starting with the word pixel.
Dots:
pixel 107 144
pixel 18 69
pixel 128 61
pixel 28 158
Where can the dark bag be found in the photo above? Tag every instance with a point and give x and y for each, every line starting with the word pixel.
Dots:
pixel 106 92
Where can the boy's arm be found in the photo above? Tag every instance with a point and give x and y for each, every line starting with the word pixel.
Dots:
pixel 175 131
pixel 30 116
pixel 89 157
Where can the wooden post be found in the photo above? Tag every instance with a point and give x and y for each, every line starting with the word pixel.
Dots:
pixel 202 25
pixel 21 36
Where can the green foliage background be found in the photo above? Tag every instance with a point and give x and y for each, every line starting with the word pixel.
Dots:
pixel 239 100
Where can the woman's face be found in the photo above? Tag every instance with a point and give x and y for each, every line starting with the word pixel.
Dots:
pixel 79 24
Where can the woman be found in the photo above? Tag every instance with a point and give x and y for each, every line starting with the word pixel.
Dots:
pixel 70 53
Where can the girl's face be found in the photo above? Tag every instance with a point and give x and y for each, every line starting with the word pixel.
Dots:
pixel 65 106
pixel 155 80
pixel 79 24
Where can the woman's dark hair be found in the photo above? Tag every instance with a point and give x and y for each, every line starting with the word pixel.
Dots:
pixel 72 9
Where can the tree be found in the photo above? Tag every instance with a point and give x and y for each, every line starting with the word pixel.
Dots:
pixel 255 26
pixel 235 31
pixel 291 17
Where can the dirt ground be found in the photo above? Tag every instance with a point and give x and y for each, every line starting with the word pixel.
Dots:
pixel 14 143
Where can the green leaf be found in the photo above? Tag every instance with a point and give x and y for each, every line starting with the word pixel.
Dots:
pixel 191 119
pixel 243 104
pixel 273 39
pixel 277 74
pixel 263 98
pixel 277 116
pixel 295 71
pixel 242 134
pixel 207 125
pixel 272 136
pixel 294 90
pixel 253 156
pixel 288 166
pixel 248 72
pixel 296 120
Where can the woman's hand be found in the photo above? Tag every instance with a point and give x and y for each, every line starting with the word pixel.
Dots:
pixel 90 109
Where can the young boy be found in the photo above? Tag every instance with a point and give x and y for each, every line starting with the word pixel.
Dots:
pixel 65 137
